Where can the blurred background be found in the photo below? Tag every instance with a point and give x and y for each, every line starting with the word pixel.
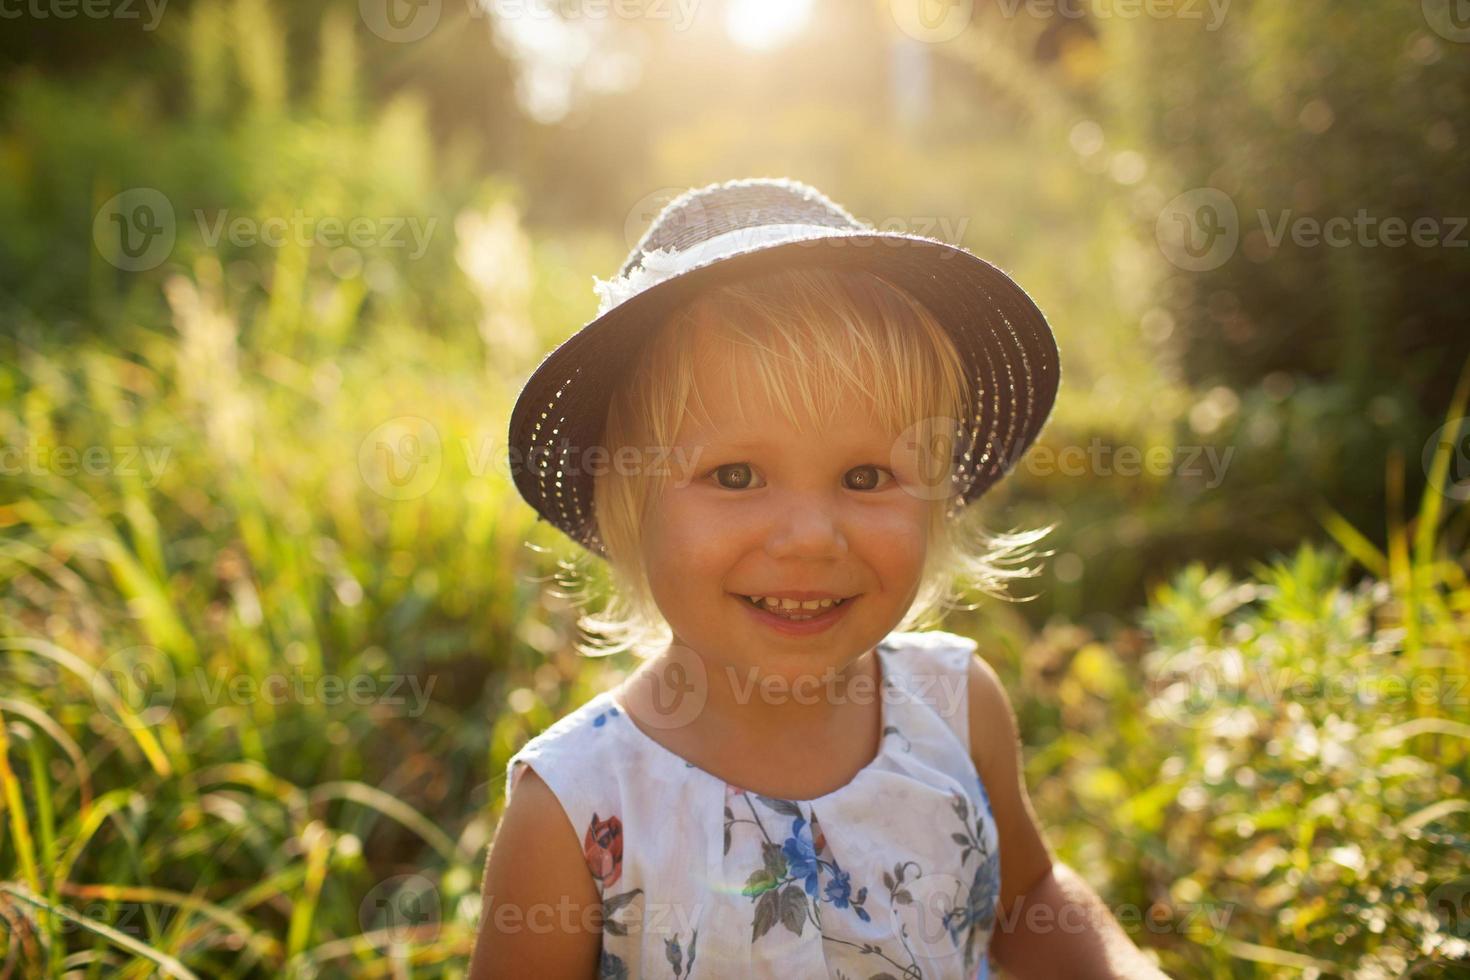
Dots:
pixel 273 618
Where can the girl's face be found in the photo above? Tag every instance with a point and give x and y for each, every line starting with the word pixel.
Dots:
pixel 764 509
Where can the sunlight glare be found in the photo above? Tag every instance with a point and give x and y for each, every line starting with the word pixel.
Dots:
pixel 765 24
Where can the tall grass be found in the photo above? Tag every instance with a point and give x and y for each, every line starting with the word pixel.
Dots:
pixel 252 686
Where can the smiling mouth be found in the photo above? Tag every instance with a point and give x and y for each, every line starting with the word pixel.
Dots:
pixel 792 609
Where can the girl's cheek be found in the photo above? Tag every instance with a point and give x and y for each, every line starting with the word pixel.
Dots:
pixel 902 516
pixel 688 537
pixel 896 540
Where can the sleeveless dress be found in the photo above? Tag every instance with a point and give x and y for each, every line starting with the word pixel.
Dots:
pixel 896 874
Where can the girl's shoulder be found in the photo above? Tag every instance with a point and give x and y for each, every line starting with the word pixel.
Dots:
pixel 588 762
pixel 930 641
pixel 933 668
pixel 583 739
pixel 931 651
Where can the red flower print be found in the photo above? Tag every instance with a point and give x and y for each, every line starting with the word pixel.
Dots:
pixel 603 849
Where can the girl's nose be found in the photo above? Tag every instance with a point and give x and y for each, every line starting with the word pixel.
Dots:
pixel 806 528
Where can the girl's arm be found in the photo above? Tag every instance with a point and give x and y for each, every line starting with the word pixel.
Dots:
pixel 541 915
pixel 1049 923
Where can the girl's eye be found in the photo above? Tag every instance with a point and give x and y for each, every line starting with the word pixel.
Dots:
pixel 868 477
pixel 740 480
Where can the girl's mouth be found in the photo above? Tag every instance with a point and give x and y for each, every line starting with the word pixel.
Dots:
pixel 800 618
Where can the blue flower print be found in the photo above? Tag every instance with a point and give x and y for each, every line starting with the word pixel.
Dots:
pixel 839 889
pixel 976 915
pixel 839 893
pixel 979 907
pixel 801 855
pixel 602 717
pixel 785 888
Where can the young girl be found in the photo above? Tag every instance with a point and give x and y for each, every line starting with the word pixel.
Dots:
pixel 771 433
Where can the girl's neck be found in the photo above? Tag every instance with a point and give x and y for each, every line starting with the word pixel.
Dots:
pixel 751 702
pixel 753 728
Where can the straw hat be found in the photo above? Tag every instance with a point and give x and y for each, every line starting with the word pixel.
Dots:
pixel 743 228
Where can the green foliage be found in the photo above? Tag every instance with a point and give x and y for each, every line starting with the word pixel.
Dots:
pixel 245 174
pixel 1310 364
pixel 1264 783
pixel 1298 97
pixel 1275 770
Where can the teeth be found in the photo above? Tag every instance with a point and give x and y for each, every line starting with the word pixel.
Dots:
pixel 772 602
pixel 787 606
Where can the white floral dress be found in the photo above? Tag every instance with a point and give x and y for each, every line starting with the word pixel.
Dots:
pixel 895 874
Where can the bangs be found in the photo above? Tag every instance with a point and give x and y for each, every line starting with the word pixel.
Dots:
pixel 816 345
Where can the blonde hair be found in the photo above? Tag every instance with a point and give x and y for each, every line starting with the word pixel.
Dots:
pixel 823 335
